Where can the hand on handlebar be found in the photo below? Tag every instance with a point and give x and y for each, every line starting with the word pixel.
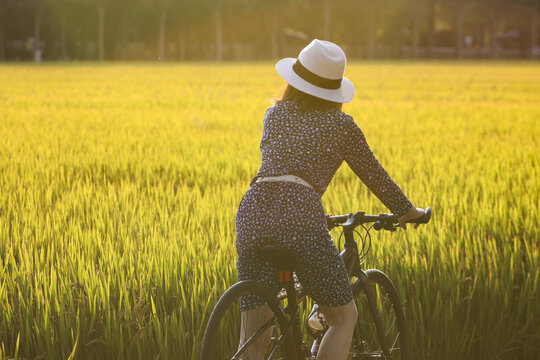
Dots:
pixel 413 214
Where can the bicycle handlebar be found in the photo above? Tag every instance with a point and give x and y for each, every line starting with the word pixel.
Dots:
pixel 382 221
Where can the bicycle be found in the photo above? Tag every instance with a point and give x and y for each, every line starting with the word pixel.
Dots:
pixel 381 329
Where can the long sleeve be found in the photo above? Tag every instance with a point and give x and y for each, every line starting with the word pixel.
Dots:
pixel 365 165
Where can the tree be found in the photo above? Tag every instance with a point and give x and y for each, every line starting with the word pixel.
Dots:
pixel 124 25
pixel 493 10
pixel 100 5
pixel 366 24
pixel 160 10
pixel 534 32
pixel 217 8
pixel 431 28
pixel 459 28
pixel 164 9
pixel 2 32
pixel 275 8
pixel 327 11
pixel 274 33
pixel 63 30
pixel 58 9
pixel 37 27
pixel 372 30
pixel 184 10
pixel 415 32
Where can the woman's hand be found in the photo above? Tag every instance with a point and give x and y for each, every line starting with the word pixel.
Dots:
pixel 412 214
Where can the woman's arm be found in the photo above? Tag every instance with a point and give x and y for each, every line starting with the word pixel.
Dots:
pixel 363 162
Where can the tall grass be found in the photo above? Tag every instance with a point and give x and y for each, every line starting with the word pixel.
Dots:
pixel 119 185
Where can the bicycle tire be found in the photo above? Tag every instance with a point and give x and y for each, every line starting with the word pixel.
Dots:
pixel 222 335
pixel 366 342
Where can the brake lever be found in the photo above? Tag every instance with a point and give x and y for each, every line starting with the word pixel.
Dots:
pixel 330 223
pixel 390 227
pixel 379 225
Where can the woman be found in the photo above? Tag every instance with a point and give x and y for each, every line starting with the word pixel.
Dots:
pixel 305 139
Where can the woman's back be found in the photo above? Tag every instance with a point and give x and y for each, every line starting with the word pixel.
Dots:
pixel 307 144
pixel 312 144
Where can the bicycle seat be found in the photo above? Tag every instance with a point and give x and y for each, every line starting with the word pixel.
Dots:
pixel 284 259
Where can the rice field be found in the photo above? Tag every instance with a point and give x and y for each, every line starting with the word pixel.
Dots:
pixel 119 185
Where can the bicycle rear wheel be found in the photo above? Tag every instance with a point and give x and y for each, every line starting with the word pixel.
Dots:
pixel 224 340
pixel 366 341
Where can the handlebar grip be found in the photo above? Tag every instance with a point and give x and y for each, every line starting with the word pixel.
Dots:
pixel 424 219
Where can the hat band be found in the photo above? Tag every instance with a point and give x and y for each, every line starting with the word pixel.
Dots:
pixel 314 79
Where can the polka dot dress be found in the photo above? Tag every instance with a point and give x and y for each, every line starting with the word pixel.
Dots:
pixel 311 145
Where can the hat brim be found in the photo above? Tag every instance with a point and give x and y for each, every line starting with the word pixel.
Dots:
pixel 344 94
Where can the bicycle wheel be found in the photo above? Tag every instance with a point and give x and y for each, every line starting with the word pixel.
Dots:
pixel 262 337
pixel 366 341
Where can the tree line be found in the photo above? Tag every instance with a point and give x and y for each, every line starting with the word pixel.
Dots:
pixel 265 29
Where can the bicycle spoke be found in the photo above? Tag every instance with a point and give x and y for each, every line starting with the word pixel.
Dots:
pixel 389 326
pixel 276 348
pixel 254 337
pixel 394 343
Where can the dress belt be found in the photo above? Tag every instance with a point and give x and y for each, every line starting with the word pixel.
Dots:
pixel 285 178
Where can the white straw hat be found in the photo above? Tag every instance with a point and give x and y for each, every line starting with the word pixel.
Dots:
pixel 318 71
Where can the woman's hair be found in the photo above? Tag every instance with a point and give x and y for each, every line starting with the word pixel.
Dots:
pixel 305 101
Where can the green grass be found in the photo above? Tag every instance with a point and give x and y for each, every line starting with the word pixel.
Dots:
pixel 119 185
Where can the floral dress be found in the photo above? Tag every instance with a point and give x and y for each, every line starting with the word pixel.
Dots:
pixel 311 145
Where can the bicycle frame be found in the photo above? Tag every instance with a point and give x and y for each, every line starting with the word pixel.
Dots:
pixel 350 256
pixel 288 318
